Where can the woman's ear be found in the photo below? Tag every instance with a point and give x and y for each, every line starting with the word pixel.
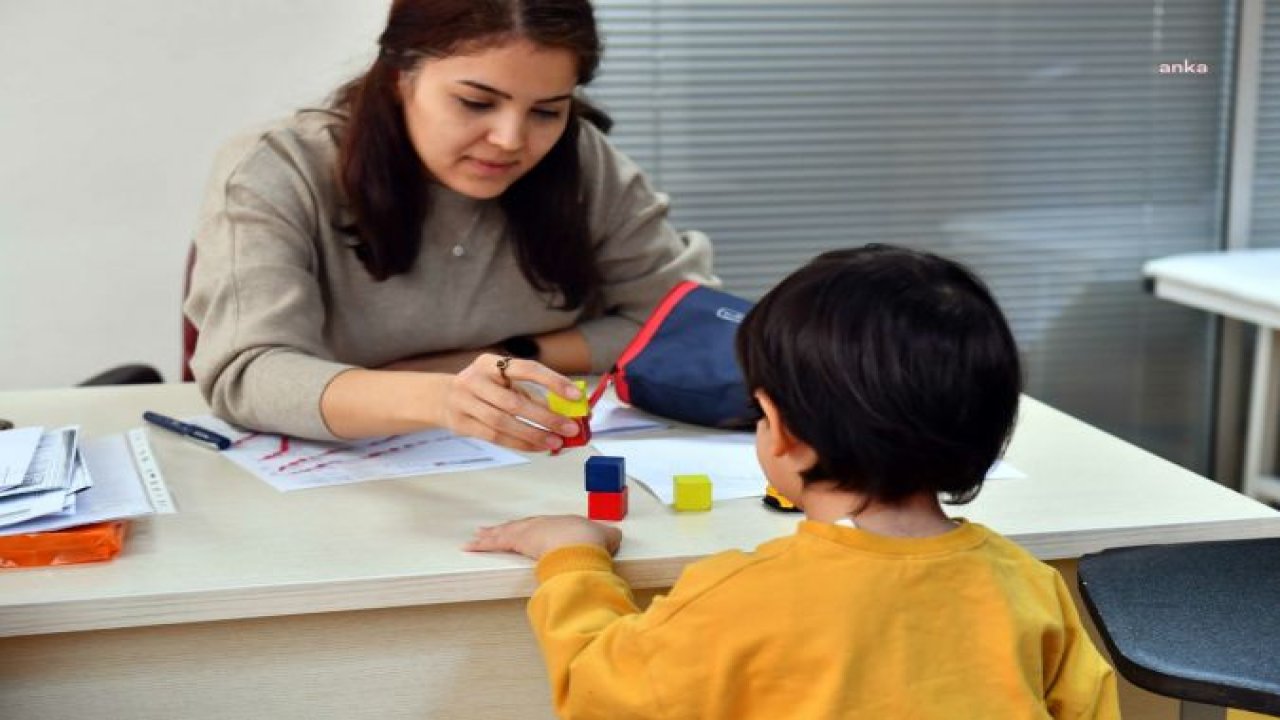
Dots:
pixel 781 442
pixel 403 85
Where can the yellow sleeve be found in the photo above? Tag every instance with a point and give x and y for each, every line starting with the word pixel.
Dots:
pixel 586 622
pixel 1084 684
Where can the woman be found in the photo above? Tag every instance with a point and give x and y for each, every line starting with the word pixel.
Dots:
pixel 366 268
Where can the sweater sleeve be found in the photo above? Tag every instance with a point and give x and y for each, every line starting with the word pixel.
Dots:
pixel 640 254
pixel 587 624
pixel 1083 687
pixel 261 361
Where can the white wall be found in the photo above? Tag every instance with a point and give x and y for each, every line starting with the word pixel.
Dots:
pixel 110 113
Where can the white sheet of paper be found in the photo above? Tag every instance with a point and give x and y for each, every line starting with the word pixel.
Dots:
pixel 291 464
pixel 81 478
pixel 117 492
pixel 17 448
pixel 610 417
pixel 728 459
pixel 24 507
pixel 1004 471
pixel 52 464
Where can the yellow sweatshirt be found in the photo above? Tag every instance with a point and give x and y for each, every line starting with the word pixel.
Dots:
pixel 832 622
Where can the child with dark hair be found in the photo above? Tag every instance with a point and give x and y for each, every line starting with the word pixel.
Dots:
pixel 884 378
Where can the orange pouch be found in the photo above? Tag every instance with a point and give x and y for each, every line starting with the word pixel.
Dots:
pixel 88 543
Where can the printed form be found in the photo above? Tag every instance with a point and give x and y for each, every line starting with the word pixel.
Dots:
pixel 289 464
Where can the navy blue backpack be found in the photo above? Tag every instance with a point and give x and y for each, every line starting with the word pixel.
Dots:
pixel 681 364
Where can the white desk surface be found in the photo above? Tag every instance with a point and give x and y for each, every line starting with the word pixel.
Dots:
pixel 239 549
pixel 1241 284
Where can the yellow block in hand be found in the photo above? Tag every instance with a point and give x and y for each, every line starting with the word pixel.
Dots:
pixel 693 493
pixel 570 408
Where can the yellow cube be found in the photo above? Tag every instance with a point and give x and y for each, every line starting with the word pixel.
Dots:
pixel 693 493
pixel 570 408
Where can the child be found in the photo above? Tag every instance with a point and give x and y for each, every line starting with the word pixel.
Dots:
pixel 884 378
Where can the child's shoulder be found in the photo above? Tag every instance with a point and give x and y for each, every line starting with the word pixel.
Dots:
pixel 728 568
pixel 723 565
pixel 1004 551
pixel 1001 545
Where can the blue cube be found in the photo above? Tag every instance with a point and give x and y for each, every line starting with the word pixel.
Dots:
pixel 605 473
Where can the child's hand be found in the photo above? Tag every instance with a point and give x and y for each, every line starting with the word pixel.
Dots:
pixel 536 536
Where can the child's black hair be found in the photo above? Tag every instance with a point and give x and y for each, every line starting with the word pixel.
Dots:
pixel 896 366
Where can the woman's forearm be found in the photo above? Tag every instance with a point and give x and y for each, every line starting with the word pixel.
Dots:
pixel 442 362
pixel 363 403
pixel 565 351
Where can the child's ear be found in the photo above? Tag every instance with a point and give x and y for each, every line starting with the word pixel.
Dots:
pixel 782 443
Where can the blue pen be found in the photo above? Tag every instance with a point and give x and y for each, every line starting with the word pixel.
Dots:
pixel 195 432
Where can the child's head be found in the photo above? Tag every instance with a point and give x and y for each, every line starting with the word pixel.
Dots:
pixel 896 367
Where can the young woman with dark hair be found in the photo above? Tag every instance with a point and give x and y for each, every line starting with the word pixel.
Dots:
pixel 371 267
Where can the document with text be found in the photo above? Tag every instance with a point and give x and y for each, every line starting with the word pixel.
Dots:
pixel 288 463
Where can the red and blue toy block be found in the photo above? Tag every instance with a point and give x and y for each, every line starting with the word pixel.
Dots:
pixel 605 473
pixel 579 411
pixel 607 505
pixel 606 483
pixel 584 433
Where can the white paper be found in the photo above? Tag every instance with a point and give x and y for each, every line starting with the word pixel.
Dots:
pixel 80 481
pixel 291 464
pixel 1004 471
pixel 27 506
pixel 51 466
pixel 17 448
pixel 610 417
pixel 117 491
pixel 729 459
pixel 81 478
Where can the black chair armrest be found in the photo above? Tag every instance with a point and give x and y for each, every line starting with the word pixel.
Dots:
pixel 125 375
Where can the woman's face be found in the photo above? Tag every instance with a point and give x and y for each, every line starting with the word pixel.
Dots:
pixel 480 121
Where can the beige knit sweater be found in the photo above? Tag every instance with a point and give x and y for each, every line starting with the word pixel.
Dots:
pixel 283 304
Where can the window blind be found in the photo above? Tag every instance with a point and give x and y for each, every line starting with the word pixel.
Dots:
pixel 1265 223
pixel 1038 142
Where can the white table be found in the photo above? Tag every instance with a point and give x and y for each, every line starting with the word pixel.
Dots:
pixel 1243 285
pixel 355 601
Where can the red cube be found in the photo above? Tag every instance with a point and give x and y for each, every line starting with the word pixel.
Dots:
pixel 582 438
pixel 607 505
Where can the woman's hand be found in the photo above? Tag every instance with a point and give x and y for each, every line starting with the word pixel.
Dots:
pixel 482 402
pixel 536 536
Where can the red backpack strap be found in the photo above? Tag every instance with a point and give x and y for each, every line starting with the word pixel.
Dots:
pixel 600 387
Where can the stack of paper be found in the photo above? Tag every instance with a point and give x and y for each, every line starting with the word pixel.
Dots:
pixel 42 473
pixel 50 480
